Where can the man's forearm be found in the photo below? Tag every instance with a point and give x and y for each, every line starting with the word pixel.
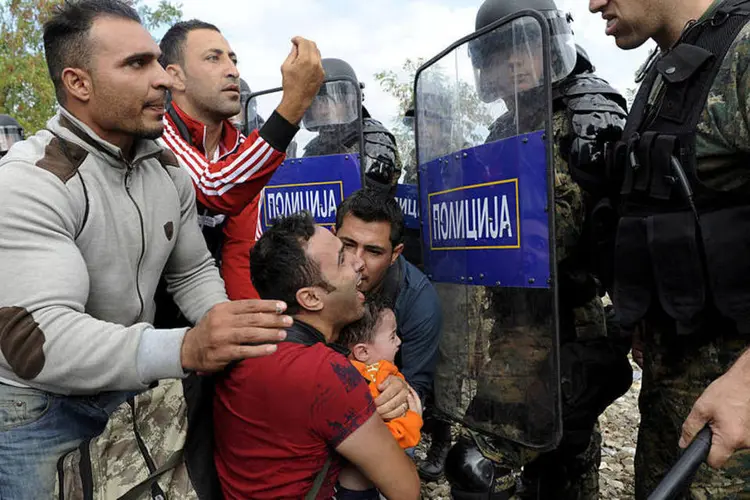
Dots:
pixel 741 367
pixel 725 407
pixel 87 356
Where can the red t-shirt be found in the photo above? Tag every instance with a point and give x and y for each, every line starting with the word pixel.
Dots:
pixel 277 419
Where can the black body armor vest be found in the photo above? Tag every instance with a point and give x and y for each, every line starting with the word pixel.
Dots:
pixel 680 245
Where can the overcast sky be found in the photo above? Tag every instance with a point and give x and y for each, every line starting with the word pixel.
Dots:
pixel 374 35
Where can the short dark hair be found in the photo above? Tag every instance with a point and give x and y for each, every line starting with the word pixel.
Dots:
pixel 372 206
pixel 279 266
pixel 173 41
pixel 66 33
pixel 362 331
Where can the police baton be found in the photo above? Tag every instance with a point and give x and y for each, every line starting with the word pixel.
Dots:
pixel 681 474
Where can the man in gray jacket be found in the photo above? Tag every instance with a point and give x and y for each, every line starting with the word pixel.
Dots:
pixel 93 211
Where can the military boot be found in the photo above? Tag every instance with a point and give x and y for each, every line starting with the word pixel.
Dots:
pixel 473 477
pixel 433 466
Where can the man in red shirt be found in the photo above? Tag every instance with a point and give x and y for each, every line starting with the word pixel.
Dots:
pixel 279 420
pixel 228 169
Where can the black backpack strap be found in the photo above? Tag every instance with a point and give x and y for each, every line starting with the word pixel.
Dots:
pixel 144 486
pixel 306 335
pixel 181 127
pixel 302 337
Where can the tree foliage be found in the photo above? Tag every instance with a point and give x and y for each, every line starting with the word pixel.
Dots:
pixel 400 86
pixel 26 91
pixel 469 117
pixel 630 96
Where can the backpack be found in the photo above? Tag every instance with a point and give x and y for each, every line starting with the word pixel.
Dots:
pixel 146 448
pixel 158 445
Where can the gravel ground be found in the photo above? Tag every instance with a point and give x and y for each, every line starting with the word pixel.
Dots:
pixel 619 425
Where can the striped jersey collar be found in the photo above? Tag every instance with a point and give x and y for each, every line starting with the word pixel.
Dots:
pixel 230 136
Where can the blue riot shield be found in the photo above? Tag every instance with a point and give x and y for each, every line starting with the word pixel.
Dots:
pixel 322 166
pixel 407 196
pixel 407 191
pixel 486 189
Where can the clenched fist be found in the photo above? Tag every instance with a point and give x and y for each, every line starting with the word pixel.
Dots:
pixel 301 77
pixel 234 331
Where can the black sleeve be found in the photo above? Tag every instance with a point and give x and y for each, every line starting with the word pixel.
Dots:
pixel 278 132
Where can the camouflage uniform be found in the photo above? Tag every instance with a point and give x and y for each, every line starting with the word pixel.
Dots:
pixel 677 369
pixel 115 461
pixel 490 349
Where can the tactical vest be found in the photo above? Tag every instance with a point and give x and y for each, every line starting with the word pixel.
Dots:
pixel 680 245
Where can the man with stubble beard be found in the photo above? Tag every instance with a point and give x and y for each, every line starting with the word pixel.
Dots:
pixel 682 274
pixel 93 212
pixel 228 169
pixel 283 421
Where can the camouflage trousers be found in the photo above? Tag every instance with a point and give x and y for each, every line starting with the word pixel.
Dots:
pixel 676 371
pixel 570 472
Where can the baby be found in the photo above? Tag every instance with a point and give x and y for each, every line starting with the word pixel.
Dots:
pixel 373 343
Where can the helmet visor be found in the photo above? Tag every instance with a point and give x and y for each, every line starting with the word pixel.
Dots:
pixel 9 135
pixel 335 104
pixel 510 59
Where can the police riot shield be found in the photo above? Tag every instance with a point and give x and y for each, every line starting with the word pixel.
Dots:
pixel 322 165
pixel 485 174
pixel 406 190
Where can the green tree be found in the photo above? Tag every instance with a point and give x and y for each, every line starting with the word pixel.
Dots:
pixel 468 118
pixel 26 92
pixel 630 96
pixel 400 85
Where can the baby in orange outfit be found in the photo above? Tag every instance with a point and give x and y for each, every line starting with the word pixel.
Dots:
pixel 373 343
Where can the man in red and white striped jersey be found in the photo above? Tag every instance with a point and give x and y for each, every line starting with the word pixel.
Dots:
pixel 228 169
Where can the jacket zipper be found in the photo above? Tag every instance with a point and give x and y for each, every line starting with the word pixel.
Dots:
pixel 156 491
pixel 128 174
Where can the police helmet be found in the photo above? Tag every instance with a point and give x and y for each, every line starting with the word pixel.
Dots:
pixel 336 102
pixel 435 117
pixel 583 62
pixel 10 133
pixel 244 92
pixel 523 36
pixel 408 118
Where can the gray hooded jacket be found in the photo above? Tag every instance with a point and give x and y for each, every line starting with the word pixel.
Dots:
pixel 84 237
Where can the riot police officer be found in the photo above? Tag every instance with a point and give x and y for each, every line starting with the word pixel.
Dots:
pixel 333 115
pixel 681 185
pixel 593 367
pixel 240 119
pixel 10 133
